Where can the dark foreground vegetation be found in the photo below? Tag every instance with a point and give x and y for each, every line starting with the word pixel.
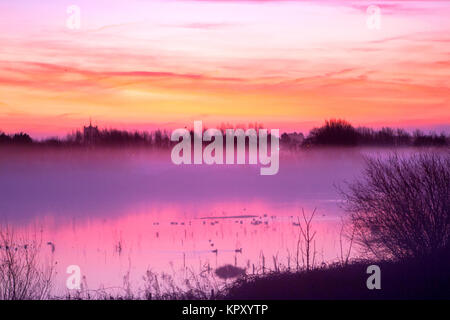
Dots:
pixel 332 133
pixel 414 278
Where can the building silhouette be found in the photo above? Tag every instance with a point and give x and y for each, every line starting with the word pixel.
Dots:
pixel 90 134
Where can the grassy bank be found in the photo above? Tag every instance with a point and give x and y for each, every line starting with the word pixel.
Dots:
pixel 426 278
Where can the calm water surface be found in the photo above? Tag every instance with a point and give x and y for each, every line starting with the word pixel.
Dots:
pixel 120 213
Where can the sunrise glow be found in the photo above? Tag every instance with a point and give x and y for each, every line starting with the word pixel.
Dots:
pixel 287 64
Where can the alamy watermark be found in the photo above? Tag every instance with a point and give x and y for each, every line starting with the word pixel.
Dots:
pixel 73 21
pixel 374 280
pixel 212 153
pixel 373 20
pixel 73 282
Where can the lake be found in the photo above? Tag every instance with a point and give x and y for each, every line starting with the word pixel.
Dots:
pixel 118 213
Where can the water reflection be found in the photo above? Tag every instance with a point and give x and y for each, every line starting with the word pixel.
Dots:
pixel 118 213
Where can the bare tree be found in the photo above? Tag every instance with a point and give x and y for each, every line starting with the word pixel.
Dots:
pixel 23 274
pixel 401 206
pixel 308 247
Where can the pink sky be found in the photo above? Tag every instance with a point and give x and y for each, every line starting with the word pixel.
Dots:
pixel 287 64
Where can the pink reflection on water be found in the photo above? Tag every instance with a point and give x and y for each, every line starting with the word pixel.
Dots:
pixel 116 214
pixel 176 239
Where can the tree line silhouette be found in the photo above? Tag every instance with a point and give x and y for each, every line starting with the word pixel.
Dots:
pixel 335 132
pixel 342 133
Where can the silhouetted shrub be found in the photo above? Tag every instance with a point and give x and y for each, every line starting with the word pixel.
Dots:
pixel 4 138
pixel 334 132
pixel 21 138
pixel 401 206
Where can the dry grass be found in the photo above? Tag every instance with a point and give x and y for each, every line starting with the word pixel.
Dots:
pixel 24 274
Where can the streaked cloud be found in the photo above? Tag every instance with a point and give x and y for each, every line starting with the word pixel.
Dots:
pixel 278 62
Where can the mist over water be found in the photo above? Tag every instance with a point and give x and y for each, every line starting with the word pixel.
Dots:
pixel 109 183
pixel 121 212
